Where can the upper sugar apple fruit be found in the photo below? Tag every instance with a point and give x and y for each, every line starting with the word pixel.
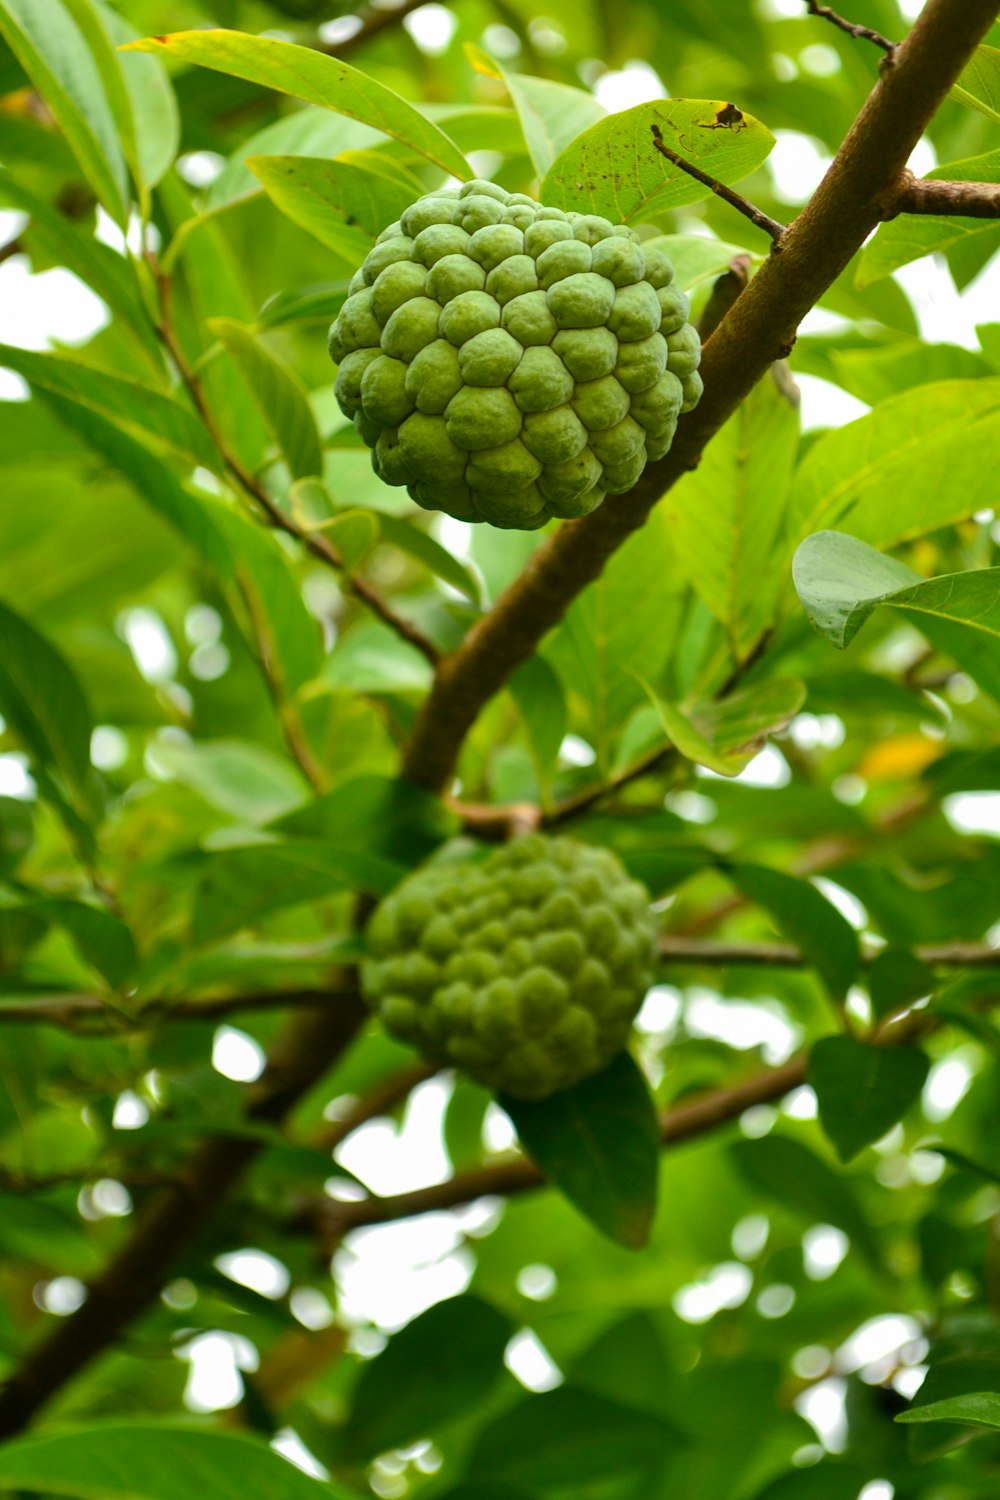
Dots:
pixel 509 362
pixel 525 970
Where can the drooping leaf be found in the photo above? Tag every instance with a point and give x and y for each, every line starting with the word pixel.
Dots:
pixel 42 700
pixel 599 1143
pixel 726 733
pixel 614 168
pixel 552 114
pixel 805 916
pixel 345 203
pixel 152 105
pixel 863 1090
pixel 727 514
pixel 422 546
pixel 103 939
pixel 154 1461
pixel 841 580
pixel 244 780
pixel 441 1365
pixel 51 48
pixel 321 80
pixel 279 394
pixel 570 1437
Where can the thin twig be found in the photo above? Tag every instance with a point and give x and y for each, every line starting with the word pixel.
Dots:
pixel 857 32
pixel 315 542
pixel 382 1098
pixel 735 200
pixel 677 949
pixel 285 707
pixel 12 248
pixel 92 1016
pixel 516 1174
pixel 970 200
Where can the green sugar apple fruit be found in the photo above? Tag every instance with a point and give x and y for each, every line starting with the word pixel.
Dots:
pixel 509 362
pixel 525 970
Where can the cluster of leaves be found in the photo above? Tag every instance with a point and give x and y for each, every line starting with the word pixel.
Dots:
pixel 217 628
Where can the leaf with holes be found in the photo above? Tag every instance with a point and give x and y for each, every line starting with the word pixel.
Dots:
pixel 614 168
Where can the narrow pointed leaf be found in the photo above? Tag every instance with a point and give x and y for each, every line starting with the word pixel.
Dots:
pixel 552 114
pixel 599 1144
pixel 42 701
pixel 52 50
pixel 978 1409
pixel 309 75
pixel 344 203
pixel 804 915
pixel 725 735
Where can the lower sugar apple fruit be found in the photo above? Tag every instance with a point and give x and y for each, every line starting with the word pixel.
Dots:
pixel 509 362
pixel 525 970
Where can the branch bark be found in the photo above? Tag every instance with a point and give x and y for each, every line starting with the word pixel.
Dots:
pixel 690 950
pixel 970 200
pixel 759 329
pixel 735 200
pixel 176 1215
pixel 857 32
pixel 94 1016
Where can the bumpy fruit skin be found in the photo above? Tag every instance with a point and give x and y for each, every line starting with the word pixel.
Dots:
pixel 509 362
pixel 525 970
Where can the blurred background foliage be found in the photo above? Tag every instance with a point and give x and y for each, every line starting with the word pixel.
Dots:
pixel 202 725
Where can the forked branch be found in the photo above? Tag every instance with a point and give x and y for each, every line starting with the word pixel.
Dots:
pixel 859 33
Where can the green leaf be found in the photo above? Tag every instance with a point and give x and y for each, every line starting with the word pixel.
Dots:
pixel 422 546
pixel 932 446
pixel 386 816
pixel 155 123
pixel 345 203
pixel 17 832
pixel 321 80
pixel 72 245
pixel 978 1409
pixel 599 1144
pixel 695 257
pixel 825 1481
pixel 570 1437
pixel 321 301
pixel 145 411
pixel 727 514
pixel 725 734
pixel 541 701
pixel 43 702
pixel 804 915
pixel 552 114
pixel 443 1364
pixel 863 1091
pixel 896 979
pixel 154 1461
pixel 979 83
pixel 279 395
pixel 911 236
pixel 244 780
pixel 840 581
pixel 614 169
pixel 795 1177
pixel 238 887
pixel 105 942
pixel 51 48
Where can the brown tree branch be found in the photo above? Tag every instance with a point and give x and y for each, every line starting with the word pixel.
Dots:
pixel 381 1099
pixel 970 200
pixel 735 200
pixel 675 949
pixel 517 1175
pixel 858 32
pixel 91 1015
pixel 270 511
pixel 759 329
pixel 174 1216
